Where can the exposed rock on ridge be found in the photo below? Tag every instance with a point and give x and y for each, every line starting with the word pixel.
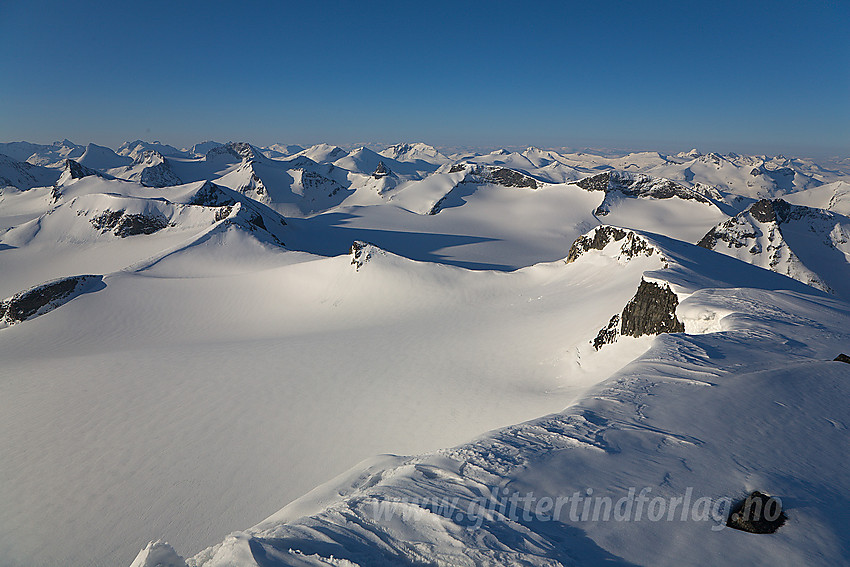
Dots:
pixel 45 297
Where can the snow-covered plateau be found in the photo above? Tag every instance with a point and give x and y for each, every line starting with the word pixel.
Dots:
pixel 408 356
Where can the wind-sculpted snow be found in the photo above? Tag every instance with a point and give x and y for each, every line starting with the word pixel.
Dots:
pixel 642 472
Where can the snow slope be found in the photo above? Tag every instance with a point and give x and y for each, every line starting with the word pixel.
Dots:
pixel 694 418
pixel 20 175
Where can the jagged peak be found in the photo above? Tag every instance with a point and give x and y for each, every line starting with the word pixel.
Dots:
pixel 149 157
pixel 631 244
pixel 75 170
pixel 381 170
pixel 361 252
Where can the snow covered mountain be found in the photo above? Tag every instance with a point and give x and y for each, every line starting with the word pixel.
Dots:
pixel 102 158
pixel 137 148
pixel 49 155
pixel 19 175
pixel 192 342
pixel 809 245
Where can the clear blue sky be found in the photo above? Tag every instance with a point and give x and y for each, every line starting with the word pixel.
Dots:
pixel 723 76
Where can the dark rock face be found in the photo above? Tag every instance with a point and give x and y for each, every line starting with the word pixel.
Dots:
pixel 257 221
pixel 237 150
pixel 638 185
pixel 770 210
pixel 842 358
pixel 510 178
pixel 596 183
pixel 608 334
pixel 651 311
pixel 603 236
pixel 709 240
pixel 381 171
pixel 758 513
pixel 755 172
pixel 77 170
pixel 42 298
pixel 457 167
pixel 123 224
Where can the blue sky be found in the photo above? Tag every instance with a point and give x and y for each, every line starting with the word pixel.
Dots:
pixel 723 76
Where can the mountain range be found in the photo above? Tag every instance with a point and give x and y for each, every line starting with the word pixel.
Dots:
pixel 366 353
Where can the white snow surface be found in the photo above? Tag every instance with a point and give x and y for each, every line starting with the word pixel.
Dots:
pixel 241 353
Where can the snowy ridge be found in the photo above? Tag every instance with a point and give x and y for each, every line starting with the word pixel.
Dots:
pixel 45 297
pixel 19 175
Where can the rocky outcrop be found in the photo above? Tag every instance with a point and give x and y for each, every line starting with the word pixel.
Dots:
pixel 638 185
pixel 75 170
pixel 771 210
pixel 361 253
pixel 43 298
pixel 842 358
pixel 494 174
pixel 651 311
pixel 124 224
pixel 381 171
pixel 597 239
pixel 758 513
pixel 508 177
pixel 607 334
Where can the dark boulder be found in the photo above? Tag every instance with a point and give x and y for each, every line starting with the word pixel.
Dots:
pixel 758 513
